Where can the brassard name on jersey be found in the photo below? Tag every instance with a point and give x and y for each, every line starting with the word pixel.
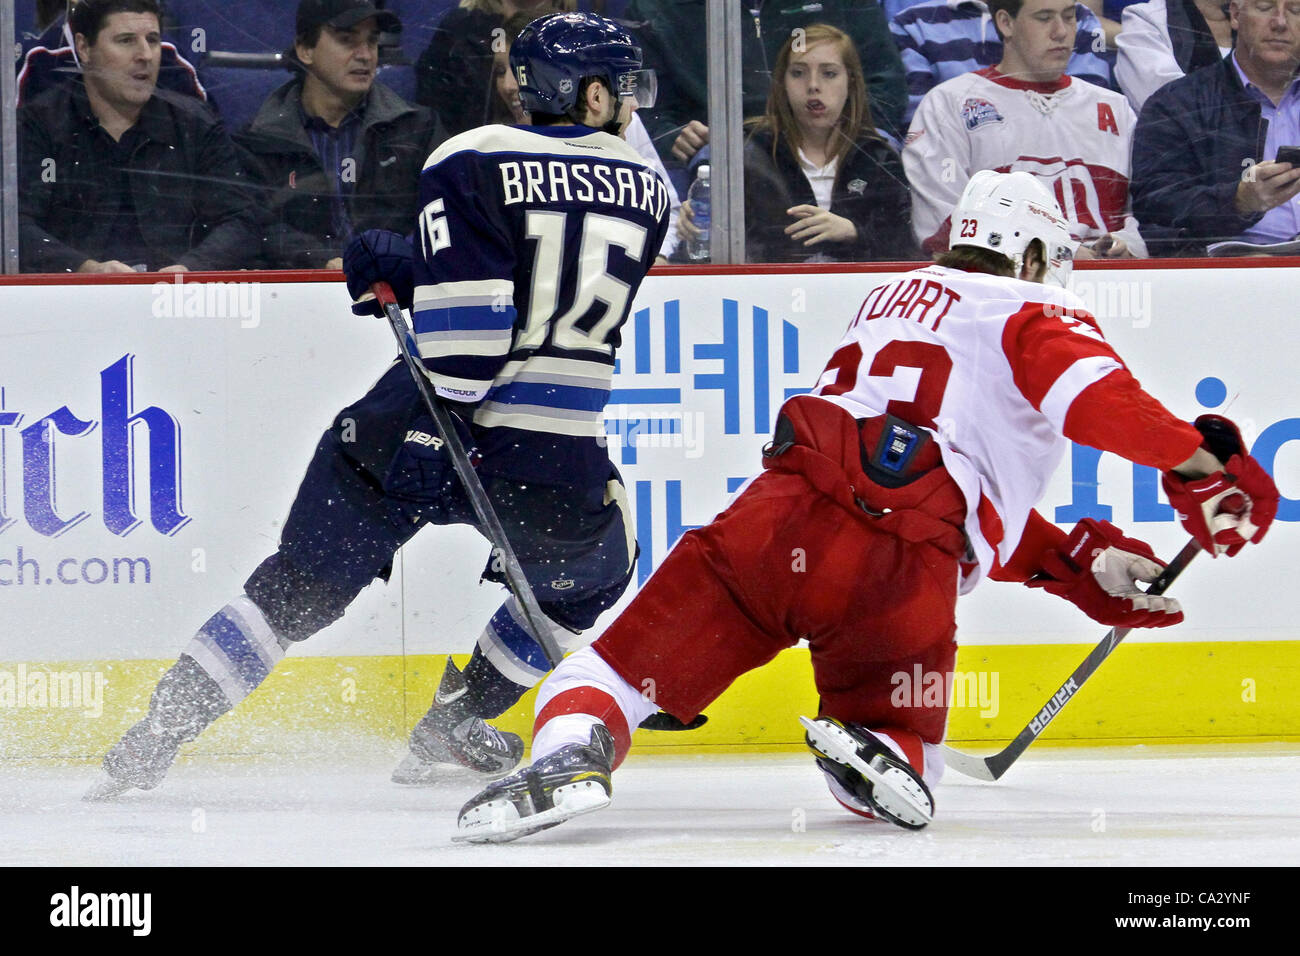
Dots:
pixel 555 181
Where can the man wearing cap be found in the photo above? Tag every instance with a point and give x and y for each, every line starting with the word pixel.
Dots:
pixel 335 152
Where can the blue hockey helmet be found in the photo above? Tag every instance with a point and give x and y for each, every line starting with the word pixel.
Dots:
pixel 553 54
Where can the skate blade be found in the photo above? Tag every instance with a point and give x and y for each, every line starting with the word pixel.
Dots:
pixel 414 772
pixel 894 792
pixel 105 788
pixel 498 821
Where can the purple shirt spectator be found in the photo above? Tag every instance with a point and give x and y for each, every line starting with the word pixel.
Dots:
pixel 1281 222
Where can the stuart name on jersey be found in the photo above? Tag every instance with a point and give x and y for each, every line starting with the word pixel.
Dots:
pixel 555 181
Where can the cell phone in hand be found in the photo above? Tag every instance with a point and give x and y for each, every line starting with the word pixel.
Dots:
pixel 1289 154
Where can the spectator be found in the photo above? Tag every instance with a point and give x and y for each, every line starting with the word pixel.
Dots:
pixel 453 72
pixel 503 104
pixel 675 42
pixel 942 39
pixel 116 174
pixel 1027 114
pixel 820 183
pixel 1197 135
pixel 52 59
pixel 1165 39
pixel 1107 12
pixel 334 151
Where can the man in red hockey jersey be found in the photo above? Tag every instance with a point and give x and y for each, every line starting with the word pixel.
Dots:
pixel 906 475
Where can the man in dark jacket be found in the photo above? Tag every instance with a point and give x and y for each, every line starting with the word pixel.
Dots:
pixel 334 152
pixel 675 44
pixel 117 175
pixel 1204 166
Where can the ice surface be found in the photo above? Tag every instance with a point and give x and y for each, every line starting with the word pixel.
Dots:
pixel 1213 806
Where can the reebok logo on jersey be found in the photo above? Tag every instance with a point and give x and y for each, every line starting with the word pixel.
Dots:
pixel 424 438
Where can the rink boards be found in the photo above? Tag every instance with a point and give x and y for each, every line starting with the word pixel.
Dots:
pixel 152 436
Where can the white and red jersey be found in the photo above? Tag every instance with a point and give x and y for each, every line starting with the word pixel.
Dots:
pixel 1074 135
pixel 993 367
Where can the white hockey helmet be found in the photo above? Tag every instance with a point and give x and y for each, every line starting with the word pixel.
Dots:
pixel 1005 212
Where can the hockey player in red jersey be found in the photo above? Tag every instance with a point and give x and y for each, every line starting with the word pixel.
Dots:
pixel 906 475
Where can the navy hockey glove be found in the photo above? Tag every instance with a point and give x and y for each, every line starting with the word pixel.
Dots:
pixel 378 255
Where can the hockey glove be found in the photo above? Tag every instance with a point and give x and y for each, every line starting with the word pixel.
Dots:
pixel 1097 569
pixel 1224 510
pixel 378 255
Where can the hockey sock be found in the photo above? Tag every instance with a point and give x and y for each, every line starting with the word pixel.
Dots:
pixel 237 648
pixel 584 691
pixel 924 758
pixel 185 701
pixel 490 692
pixel 509 646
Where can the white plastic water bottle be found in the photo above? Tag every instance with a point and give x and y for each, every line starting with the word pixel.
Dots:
pixel 697 250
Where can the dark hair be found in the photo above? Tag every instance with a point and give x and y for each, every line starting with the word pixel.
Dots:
pixel 309 37
pixel 88 16
pixel 579 112
pixel 1011 6
pixel 979 259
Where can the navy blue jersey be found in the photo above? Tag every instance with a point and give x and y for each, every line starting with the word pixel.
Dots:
pixel 532 244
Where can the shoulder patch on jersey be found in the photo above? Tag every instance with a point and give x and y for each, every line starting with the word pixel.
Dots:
pixel 977 111
pixel 913 136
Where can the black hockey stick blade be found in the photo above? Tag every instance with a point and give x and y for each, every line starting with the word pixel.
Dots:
pixel 662 720
pixel 538 623
pixel 995 765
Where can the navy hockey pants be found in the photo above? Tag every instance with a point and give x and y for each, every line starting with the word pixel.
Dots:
pixel 379 474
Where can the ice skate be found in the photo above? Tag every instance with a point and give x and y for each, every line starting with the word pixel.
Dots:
pixel 870 772
pixel 572 781
pixel 183 704
pixel 449 739
pixel 139 761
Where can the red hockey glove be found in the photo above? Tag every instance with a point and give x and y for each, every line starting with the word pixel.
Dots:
pixel 1224 510
pixel 1097 569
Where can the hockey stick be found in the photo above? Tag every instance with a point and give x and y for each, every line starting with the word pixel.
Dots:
pixel 994 766
pixel 538 623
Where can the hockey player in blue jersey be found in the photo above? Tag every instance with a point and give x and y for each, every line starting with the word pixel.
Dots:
pixel 529 248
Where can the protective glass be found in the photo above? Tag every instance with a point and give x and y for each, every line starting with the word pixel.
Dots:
pixel 642 85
